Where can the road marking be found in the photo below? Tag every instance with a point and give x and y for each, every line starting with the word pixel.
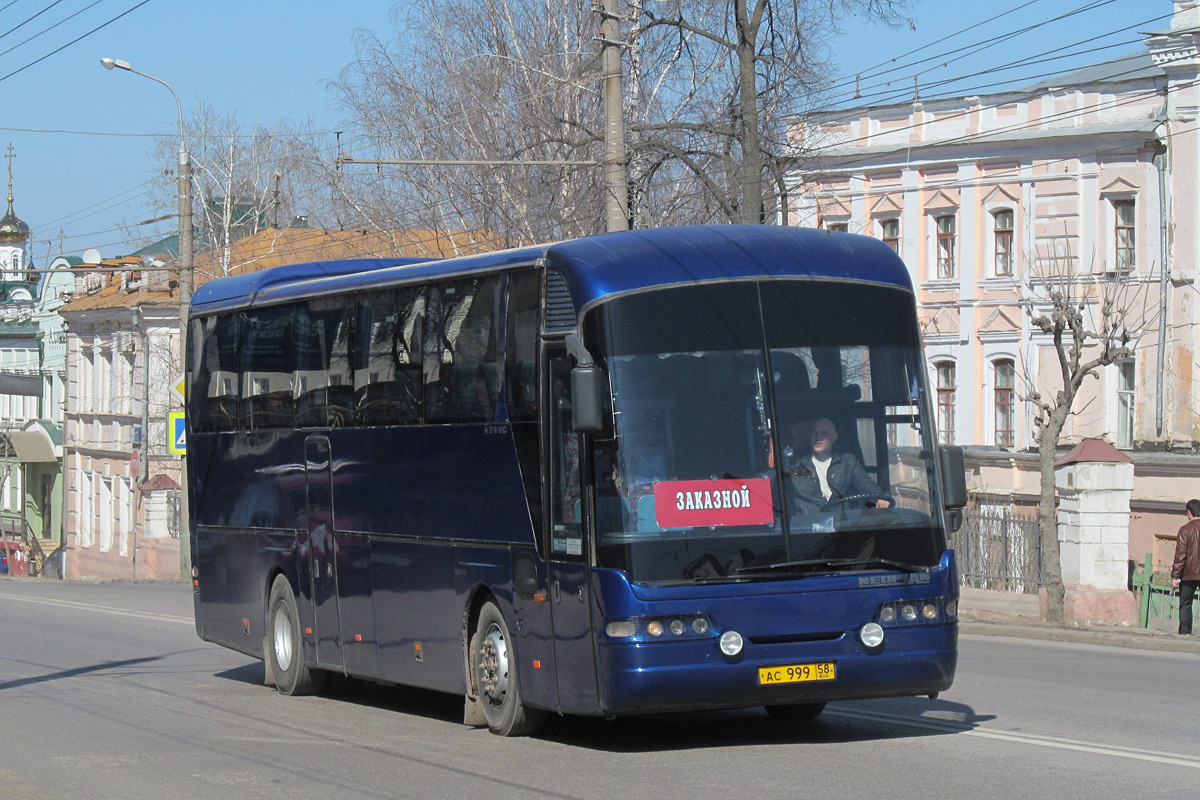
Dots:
pixel 120 612
pixel 1037 740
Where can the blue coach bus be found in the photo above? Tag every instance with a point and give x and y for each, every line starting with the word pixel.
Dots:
pixel 640 472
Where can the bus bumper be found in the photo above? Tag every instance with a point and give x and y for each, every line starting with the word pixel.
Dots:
pixel 680 676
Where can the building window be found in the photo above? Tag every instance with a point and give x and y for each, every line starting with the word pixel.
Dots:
pixel 838 227
pixel 1125 403
pixel 1004 242
pixel 1006 403
pixel 1123 234
pixel 945 247
pixel 945 401
pixel 889 230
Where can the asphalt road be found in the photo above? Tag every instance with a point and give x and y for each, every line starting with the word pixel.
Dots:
pixel 106 692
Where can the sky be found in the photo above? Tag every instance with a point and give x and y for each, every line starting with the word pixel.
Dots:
pixel 82 135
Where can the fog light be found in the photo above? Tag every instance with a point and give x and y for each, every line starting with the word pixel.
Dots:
pixel 909 613
pixel 677 627
pixel 929 611
pixel 871 634
pixel 700 625
pixel 951 608
pixel 887 614
pixel 655 628
pixel 731 643
pixel 621 629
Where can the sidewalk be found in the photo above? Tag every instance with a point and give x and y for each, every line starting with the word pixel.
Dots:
pixel 982 612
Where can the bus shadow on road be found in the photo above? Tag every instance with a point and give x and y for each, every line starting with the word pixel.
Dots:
pixel 841 722
pixel 388 697
pixel 859 721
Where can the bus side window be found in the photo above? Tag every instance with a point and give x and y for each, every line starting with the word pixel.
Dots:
pixel 460 351
pixel 212 383
pixel 387 358
pixel 520 367
pixel 323 389
pixel 267 367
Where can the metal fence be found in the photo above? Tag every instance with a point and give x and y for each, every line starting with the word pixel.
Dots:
pixel 999 548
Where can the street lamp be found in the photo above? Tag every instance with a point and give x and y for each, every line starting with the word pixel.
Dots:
pixel 185 201
pixel 185 300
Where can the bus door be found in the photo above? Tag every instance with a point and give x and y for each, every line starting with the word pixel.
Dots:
pixel 570 593
pixel 323 562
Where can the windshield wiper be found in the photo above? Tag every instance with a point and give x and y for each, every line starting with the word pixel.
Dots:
pixel 836 563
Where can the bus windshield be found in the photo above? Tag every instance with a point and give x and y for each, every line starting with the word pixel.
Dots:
pixel 763 430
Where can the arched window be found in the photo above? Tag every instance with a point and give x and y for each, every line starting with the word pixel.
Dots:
pixel 1005 403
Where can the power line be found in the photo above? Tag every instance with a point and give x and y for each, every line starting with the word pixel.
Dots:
pixel 74 41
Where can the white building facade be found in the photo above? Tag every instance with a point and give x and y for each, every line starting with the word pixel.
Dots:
pixel 1093 175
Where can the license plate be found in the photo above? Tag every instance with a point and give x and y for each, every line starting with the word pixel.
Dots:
pixel 796 673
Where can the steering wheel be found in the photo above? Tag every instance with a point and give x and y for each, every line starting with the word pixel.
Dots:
pixel 851 502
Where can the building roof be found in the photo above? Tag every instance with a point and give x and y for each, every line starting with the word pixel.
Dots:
pixel 1093 450
pixel 118 287
pixel 275 247
pixel 1129 67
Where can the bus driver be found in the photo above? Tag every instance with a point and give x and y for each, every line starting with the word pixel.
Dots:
pixel 826 476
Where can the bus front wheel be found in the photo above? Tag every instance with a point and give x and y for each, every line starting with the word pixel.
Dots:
pixel 496 677
pixel 285 648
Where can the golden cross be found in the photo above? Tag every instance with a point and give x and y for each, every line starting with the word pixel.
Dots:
pixel 10 156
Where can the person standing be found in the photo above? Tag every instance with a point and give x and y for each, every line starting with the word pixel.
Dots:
pixel 1185 571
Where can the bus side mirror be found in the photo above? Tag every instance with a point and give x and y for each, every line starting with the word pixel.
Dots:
pixel 954 484
pixel 589 390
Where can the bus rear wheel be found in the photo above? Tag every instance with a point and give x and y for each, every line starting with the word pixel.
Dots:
pixel 496 677
pixel 285 648
pixel 795 712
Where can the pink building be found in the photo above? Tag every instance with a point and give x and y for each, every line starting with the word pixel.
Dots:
pixel 1095 173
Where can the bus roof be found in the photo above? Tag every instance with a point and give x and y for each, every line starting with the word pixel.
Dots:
pixel 595 267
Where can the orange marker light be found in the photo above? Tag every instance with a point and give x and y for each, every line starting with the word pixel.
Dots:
pixel 358 637
pixel 308 631
pixel 540 597
pixel 537 665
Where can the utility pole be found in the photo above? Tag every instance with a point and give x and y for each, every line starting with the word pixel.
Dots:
pixel 616 183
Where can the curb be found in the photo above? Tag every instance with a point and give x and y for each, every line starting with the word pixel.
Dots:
pixel 1129 638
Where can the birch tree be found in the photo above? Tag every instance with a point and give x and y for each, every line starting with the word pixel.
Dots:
pixel 244 178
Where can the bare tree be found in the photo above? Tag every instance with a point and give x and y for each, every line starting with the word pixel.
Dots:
pixel 738 67
pixel 709 84
pixel 244 178
pixel 1090 324
pixel 489 80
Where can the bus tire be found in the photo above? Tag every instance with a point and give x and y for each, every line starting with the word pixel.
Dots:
pixel 795 712
pixel 285 647
pixel 496 677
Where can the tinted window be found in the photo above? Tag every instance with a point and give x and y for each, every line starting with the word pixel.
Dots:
pixel 324 388
pixel 521 348
pixel 460 366
pixel 213 379
pixel 387 361
pixel 267 361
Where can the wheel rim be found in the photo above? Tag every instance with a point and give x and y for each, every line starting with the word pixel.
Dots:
pixel 493 666
pixel 283 638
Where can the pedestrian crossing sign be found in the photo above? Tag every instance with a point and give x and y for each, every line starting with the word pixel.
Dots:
pixel 176 434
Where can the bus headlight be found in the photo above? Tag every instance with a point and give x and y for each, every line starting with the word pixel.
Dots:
pixel 871 635
pixel 731 643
